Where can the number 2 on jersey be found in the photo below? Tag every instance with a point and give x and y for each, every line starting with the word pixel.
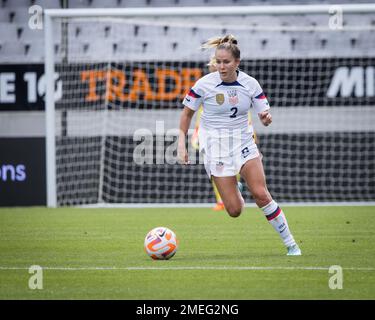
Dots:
pixel 234 114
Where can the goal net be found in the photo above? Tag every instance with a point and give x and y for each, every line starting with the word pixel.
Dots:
pixel 112 135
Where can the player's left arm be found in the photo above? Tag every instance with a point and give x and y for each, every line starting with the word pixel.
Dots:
pixel 261 105
pixel 265 117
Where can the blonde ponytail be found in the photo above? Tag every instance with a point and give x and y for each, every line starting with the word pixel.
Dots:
pixel 211 43
pixel 228 42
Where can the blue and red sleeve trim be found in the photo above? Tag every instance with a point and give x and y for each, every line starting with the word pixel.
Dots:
pixel 193 94
pixel 261 96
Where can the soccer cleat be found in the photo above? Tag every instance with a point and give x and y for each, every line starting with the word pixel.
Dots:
pixel 219 207
pixel 294 250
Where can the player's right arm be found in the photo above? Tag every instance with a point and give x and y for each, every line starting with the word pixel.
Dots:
pixel 185 120
pixel 191 102
pixel 194 137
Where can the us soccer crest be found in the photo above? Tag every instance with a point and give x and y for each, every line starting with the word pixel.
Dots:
pixel 220 98
pixel 233 97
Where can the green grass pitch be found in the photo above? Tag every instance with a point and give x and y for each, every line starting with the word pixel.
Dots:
pixel 98 254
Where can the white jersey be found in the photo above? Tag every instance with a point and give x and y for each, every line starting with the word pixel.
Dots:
pixel 225 135
pixel 226 105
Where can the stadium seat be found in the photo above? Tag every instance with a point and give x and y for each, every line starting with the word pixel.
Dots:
pixel 366 42
pixel 106 4
pixel 4 15
pixel 80 4
pixel 8 31
pixel 28 34
pixel 35 52
pixel 120 31
pixel 12 52
pixel 306 45
pixel 130 49
pixel 262 20
pixel 192 3
pixel 264 45
pixel 94 51
pixel 17 3
pixel 21 15
pixel 359 19
pixel 84 32
pixel 219 2
pixel 200 35
pixel 49 4
pixel 151 31
pixel 164 3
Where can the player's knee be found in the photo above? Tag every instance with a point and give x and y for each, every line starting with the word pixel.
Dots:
pixel 234 211
pixel 262 197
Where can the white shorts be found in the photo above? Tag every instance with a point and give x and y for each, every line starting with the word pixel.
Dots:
pixel 224 157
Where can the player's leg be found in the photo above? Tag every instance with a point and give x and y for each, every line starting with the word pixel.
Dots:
pixel 231 196
pixel 219 202
pixel 253 173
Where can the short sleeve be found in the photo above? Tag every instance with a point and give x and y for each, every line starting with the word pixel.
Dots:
pixel 194 97
pixel 259 99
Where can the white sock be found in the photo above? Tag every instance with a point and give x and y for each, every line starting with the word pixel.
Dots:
pixel 276 218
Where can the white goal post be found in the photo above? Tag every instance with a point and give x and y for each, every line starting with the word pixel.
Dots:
pixel 120 68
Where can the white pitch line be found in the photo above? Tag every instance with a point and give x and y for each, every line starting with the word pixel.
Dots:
pixel 208 205
pixel 184 268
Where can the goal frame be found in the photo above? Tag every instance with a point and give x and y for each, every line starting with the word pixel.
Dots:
pixel 49 65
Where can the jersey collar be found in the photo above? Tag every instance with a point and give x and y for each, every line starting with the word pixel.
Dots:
pixel 234 83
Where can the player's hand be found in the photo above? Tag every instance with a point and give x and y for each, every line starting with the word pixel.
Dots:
pixel 265 117
pixel 182 155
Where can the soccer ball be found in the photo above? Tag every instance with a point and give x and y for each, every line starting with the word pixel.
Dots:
pixel 161 243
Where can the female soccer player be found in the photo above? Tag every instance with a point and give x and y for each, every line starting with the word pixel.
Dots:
pixel 226 138
pixel 219 206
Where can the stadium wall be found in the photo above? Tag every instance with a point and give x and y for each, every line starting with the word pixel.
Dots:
pixel 22 171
